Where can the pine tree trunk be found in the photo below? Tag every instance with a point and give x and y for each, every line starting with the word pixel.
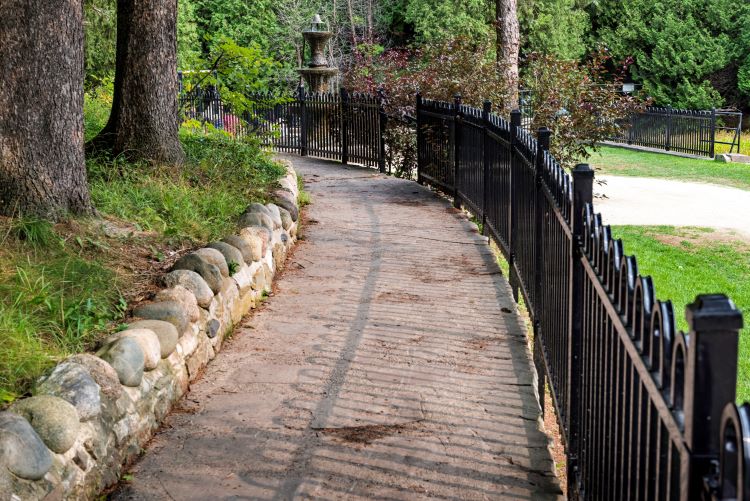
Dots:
pixel 508 43
pixel 42 168
pixel 143 123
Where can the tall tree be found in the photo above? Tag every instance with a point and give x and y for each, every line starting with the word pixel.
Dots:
pixel 42 168
pixel 508 43
pixel 143 123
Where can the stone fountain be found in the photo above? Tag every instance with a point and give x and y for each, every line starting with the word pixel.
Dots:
pixel 318 74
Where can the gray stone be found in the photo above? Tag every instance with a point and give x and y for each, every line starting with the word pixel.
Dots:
pixel 53 419
pixel 214 257
pixel 103 373
pixel 275 215
pixel 126 357
pixel 147 340
pixel 212 328
pixel 254 242
pixel 256 219
pixel 169 311
pixel 286 200
pixel 286 219
pixel 210 273
pixel 289 185
pixel 166 332
pixel 74 384
pixel 279 255
pixel 231 254
pixel 21 450
pixel 244 247
pixel 259 208
pixel 264 234
pixel 187 299
pixel 192 282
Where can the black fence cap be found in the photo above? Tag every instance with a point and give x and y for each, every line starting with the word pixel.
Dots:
pixel 713 312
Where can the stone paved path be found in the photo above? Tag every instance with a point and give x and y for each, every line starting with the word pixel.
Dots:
pixel 389 364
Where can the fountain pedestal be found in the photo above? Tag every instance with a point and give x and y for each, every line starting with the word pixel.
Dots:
pixel 318 75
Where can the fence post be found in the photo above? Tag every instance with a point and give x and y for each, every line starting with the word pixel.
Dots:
pixel 420 139
pixel 583 194
pixel 515 123
pixel 542 145
pixel 303 121
pixel 344 126
pixel 383 122
pixel 456 149
pixel 668 138
pixel 710 379
pixel 486 110
pixel 712 144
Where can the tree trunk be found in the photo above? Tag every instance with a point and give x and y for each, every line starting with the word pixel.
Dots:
pixel 508 43
pixel 42 167
pixel 144 123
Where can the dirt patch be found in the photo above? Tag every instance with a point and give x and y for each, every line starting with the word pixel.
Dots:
pixel 397 297
pixel 365 435
pixel 700 237
pixel 481 342
pixel 410 203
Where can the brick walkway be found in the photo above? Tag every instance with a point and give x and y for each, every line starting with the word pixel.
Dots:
pixel 389 364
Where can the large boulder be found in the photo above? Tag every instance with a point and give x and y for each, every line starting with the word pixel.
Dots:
pixel 101 372
pixel 126 356
pixel 286 200
pixel 210 273
pixel 256 219
pixel 273 209
pixel 214 257
pixel 187 299
pixel 192 282
pixel 147 340
pixel 53 419
pixel 265 236
pixel 22 452
pixel 231 254
pixel 166 332
pixel 73 383
pixel 169 311
pixel 244 247
pixel 286 219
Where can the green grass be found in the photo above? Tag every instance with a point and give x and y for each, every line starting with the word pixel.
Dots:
pixel 64 287
pixel 624 162
pixel 685 262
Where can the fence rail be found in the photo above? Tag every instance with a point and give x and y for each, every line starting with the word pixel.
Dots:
pixel 646 412
pixel 336 126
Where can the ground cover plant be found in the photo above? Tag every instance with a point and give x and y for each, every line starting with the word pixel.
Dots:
pixel 64 286
pixel 685 262
pixel 625 162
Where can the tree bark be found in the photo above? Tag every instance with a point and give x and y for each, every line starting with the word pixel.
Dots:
pixel 42 167
pixel 143 124
pixel 508 43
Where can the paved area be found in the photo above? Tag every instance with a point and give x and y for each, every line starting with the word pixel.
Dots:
pixel 389 364
pixel 648 201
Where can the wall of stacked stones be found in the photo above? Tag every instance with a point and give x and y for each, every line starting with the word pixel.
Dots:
pixel 93 413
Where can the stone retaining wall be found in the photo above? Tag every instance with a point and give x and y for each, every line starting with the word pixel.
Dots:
pixel 94 412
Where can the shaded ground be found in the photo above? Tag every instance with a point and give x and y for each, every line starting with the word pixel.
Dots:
pixel 390 364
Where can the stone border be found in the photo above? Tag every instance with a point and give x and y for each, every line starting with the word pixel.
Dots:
pixel 94 412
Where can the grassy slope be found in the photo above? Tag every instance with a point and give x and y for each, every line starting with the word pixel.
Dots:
pixel 63 287
pixel 687 261
pixel 623 162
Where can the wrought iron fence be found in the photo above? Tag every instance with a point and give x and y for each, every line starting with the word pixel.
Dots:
pixel 685 131
pixel 336 126
pixel 646 412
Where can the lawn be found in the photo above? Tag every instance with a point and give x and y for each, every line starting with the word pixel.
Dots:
pixel 687 261
pixel 624 162
pixel 64 287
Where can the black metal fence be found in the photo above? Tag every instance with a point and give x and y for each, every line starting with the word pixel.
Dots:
pixel 685 131
pixel 336 126
pixel 646 412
